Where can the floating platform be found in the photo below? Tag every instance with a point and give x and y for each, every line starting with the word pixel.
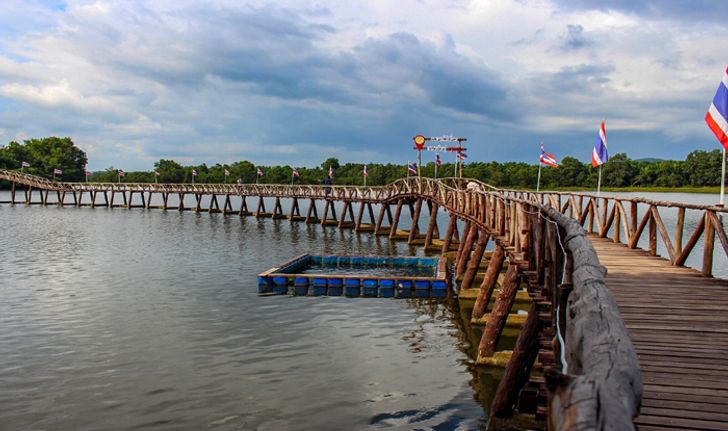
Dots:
pixel 359 276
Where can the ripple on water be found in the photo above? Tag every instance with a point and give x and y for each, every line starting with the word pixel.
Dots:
pixel 131 319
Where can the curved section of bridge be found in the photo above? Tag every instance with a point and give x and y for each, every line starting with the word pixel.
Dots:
pixel 575 326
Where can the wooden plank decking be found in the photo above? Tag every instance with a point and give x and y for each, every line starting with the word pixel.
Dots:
pixel 678 322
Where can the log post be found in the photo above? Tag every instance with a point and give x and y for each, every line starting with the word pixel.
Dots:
pixel 497 317
pixel 447 241
pixel 359 217
pixel 475 261
pixel 261 207
pixel 519 366
pixel 277 209
pixel 312 210
pixel 395 222
pixel 181 205
pixel 653 234
pixel 380 218
pixel 633 216
pixel 679 227
pixel 708 246
pixel 12 194
pixel 431 225
pixel 495 265
pixel 415 228
pixel 244 206
pixel 465 254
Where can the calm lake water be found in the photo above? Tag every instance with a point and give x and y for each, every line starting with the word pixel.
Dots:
pixel 146 319
pixel 133 319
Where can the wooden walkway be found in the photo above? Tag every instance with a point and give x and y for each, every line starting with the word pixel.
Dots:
pixel 678 322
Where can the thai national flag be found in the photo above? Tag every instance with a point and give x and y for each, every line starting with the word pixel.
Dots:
pixel 194 173
pixel 364 172
pixel 260 173
pixel 462 155
pixel 717 116
pixel 89 173
pixel 227 173
pixel 547 159
pixel 24 164
pixel 411 168
pixel 120 173
pixel 599 154
pixel 331 172
pixel 57 171
pixel 438 162
pixel 296 173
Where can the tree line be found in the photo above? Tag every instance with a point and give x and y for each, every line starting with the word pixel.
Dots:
pixel 700 168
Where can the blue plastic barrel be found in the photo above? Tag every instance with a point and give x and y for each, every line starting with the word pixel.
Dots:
pixel 370 288
pixel 280 285
pixel 265 284
pixel 352 287
pixel 386 288
pixel 319 287
pixel 335 287
pixel 404 289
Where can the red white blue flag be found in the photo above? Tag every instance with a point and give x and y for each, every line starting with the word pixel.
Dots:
pixel 89 173
pixel 156 174
pixel 599 154
pixel 462 155
pixel 260 173
pixel 57 171
pixel 194 173
pixel 24 164
pixel 331 172
pixel 120 173
pixel 227 173
pixel 295 173
pixel 411 168
pixel 547 159
pixel 438 162
pixel 364 172
pixel 717 116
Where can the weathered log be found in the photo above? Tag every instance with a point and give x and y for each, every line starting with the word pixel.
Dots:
pixel 519 365
pixel 447 241
pixel 475 259
pixel 464 255
pixel 499 314
pixel 495 265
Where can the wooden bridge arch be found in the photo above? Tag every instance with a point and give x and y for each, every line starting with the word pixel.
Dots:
pixel 592 377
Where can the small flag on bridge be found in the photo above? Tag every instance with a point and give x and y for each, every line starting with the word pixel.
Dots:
pixel 717 116
pixel 438 161
pixel 89 173
pixel 194 173
pixel 599 154
pixel 547 159
pixel 57 171
pixel 364 172
pixel 24 164
pixel 411 168
pixel 462 155
pixel 259 173
pixel 295 173
pixel 227 173
pixel 331 172
pixel 120 173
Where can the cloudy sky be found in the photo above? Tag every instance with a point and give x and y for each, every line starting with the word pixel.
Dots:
pixel 296 82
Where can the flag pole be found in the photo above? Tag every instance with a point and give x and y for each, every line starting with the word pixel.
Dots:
pixel 408 166
pixel 436 167
pixel 538 181
pixel 599 182
pixel 722 181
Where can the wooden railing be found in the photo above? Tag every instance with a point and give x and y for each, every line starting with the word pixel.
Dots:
pixel 639 223
pixel 590 365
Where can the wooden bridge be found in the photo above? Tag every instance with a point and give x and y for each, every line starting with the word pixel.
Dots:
pixel 640 342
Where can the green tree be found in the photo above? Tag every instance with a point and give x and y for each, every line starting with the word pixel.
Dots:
pixel 45 155
pixel 702 168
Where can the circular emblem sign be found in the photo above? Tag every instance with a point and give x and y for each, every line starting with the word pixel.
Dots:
pixel 419 141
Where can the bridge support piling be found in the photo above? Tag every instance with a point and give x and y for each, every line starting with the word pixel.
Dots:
pixel 278 209
pixel 260 211
pixel 415 227
pixel 464 254
pixel 378 229
pixel 227 207
pixel 214 203
pixel 360 216
pixel 346 208
pixel 472 268
pixel 447 241
pixel 495 266
pixel 312 210
pixel 497 317
pixel 244 207
pixel 181 204
pixel 198 202
pixel 12 193
pixel 395 222
pixel 518 369
pixel 431 225
pixel 295 210
pixel 61 197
